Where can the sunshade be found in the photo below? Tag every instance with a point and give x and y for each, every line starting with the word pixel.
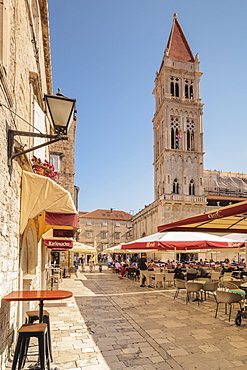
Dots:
pixel 182 241
pixel 82 248
pixel 42 196
pixel 229 219
pixel 115 249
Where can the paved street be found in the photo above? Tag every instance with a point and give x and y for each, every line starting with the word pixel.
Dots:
pixel 114 324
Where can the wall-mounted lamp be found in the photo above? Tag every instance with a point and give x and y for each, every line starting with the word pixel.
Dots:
pixel 61 111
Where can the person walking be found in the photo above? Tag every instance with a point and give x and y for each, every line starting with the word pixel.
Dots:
pixel 144 273
pixel 81 263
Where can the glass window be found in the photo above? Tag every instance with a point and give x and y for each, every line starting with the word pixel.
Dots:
pixel 55 159
pixel 89 234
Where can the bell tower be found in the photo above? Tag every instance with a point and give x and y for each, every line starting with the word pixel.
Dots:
pixel 177 123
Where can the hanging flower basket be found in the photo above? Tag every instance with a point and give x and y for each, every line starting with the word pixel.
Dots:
pixel 44 168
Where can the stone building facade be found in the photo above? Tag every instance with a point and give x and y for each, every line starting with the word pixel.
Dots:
pixel 104 228
pixel 182 187
pixel 25 76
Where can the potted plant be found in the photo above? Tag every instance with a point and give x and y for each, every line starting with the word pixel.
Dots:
pixel 44 168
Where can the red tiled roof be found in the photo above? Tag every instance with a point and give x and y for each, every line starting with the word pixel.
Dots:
pixel 177 45
pixel 107 214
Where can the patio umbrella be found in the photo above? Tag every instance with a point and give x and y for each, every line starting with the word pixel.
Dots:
pixel 116 249
pixel 182 241
pixel 82 248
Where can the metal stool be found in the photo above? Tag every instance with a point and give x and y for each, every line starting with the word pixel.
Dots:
pixel 34 316
pixel 26 332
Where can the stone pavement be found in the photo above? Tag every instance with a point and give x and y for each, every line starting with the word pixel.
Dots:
pixel 114 324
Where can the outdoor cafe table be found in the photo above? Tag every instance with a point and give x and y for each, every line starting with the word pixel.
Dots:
pixel 37 295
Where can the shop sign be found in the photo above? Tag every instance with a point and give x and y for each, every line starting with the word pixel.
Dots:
pixel 58 244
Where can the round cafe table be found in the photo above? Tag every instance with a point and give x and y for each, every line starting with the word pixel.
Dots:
pixel 37 295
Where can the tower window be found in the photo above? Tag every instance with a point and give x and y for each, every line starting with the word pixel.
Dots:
pixel 176 89
pixel 175 135
pixel 191 188
pixel 172 88
pixel 191 92
pixel 190 135
pixel 175 187
pixel 188 89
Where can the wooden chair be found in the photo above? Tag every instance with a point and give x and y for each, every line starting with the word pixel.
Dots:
pixel 34 316
pixel 26 332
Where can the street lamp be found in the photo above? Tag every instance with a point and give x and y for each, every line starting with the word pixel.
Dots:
pixel 60 110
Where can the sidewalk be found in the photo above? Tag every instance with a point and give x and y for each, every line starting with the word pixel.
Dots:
pixel 114 324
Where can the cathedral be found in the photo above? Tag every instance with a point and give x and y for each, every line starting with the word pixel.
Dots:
pixel 182 187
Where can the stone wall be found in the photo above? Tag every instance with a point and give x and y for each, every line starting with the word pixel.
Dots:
pixel 24 76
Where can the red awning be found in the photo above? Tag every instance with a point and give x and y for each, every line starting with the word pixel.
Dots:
pixel 61 219
pixel 232 219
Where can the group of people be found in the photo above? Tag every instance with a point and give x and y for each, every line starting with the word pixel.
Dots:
pixel 80 263
pixel 146 266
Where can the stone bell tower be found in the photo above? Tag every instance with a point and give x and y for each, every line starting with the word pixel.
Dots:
pixel 177 124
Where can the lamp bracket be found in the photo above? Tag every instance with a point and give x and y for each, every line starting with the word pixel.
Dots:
pixel 13 133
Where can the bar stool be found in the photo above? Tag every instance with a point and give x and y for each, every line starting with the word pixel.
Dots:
pixel 26 332
pixel 34 316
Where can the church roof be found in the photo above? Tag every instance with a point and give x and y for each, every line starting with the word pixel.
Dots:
pixel 177 46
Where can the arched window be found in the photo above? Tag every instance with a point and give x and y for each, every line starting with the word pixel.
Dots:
pixel 174 138
pixel 192 141
pixel 186 92
pixel 188 140
pixel 191 188
pixel 175 187
pixel 176 90
pixel 172 88
pixel 190 134
pixel 191 92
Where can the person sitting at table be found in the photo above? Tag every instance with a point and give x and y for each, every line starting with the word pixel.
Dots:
pixel 122 271
pixel 151 265
pixel 191 273
pixel 201 272
pixel 178 273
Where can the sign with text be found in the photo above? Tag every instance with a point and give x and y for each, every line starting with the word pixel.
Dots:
pixel 57 244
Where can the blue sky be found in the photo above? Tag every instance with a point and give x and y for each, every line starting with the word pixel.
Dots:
pixel 105 54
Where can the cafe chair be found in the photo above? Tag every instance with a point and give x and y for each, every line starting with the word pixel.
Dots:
pixel 230 285
pixel 215 275
pixel 180 284
pixel 73 270
pixel 26 332
pixel 228 298
pixel 193 287
pixel 33 316
pixel 169 279
pixel 159 279
pixel 210 287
